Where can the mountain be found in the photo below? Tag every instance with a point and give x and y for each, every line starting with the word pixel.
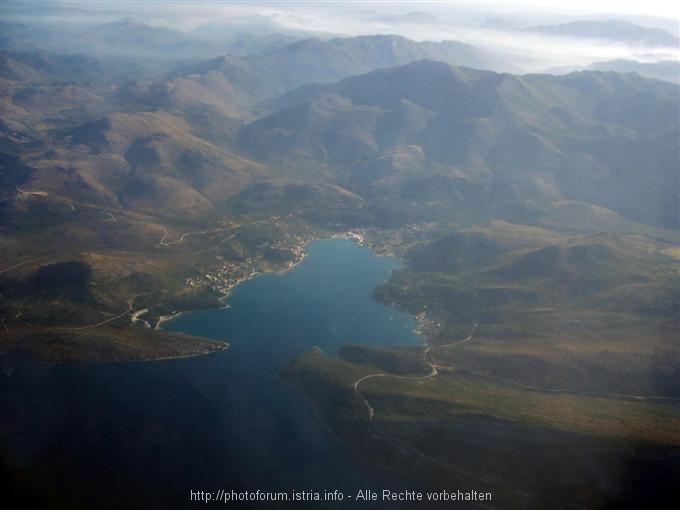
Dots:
pixel 249 34
pixel 122 37
pixel 128 34
pixel 274 24
pixel 610 30
pixel 34 94
pixel 602 138
pixel 137 41
pixel 149 162
pixel 313 60
pixel 45 67
pixel 666 70
pixel 212 94
pixel 536 217
pixel 13 69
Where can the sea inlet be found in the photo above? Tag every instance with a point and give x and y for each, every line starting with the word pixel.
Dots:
pixel 146 434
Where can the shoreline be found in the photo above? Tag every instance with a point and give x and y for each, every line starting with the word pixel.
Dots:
pixel 300 252
pixel 220 346
pixel 167 318
pixel 358 452
pixel 357 237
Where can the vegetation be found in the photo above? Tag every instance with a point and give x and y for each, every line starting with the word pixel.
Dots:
pixel 105 344
pixel 458 430
pixel 536 214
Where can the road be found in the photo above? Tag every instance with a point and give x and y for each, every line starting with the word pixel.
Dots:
pixel 181 239
pixel 131 303
pixel 433 372
pixel 7 269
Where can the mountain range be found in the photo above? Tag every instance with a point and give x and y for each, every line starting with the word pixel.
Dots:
pixel 596 137
pixel 536 216
pixel 665 70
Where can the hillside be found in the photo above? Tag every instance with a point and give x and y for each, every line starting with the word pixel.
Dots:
pixel 426 428
pixel 307 251
pixel 666 70
pixel 601 138
pixel 145 162
pixel 408 154
pixel 251 78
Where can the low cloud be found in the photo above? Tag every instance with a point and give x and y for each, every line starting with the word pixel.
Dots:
pixel 529 52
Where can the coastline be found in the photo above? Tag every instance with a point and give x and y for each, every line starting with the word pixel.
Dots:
pixel 359 453
pixel 166 318
pixel 358 237
pixel 109 350
pixel 226 347
pixel 300 252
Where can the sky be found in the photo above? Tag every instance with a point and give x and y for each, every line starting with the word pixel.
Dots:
pixel 662 8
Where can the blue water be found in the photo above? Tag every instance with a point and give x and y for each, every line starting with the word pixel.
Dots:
pixel 325 301
pixel 154 431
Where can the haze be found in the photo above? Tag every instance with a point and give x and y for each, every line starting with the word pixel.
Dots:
pixel 504 28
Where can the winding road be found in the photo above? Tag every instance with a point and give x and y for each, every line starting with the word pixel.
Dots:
pixel 181 239
pixel 433 372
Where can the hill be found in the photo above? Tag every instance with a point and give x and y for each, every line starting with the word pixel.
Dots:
pixel 255 77
pixel 601 138
pixel 665 70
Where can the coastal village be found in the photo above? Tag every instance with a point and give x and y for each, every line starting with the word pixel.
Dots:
pixel 225 274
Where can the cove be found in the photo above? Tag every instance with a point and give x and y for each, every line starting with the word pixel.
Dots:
pixel 151 432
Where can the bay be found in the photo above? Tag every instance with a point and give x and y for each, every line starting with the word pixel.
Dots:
pixel 152 432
